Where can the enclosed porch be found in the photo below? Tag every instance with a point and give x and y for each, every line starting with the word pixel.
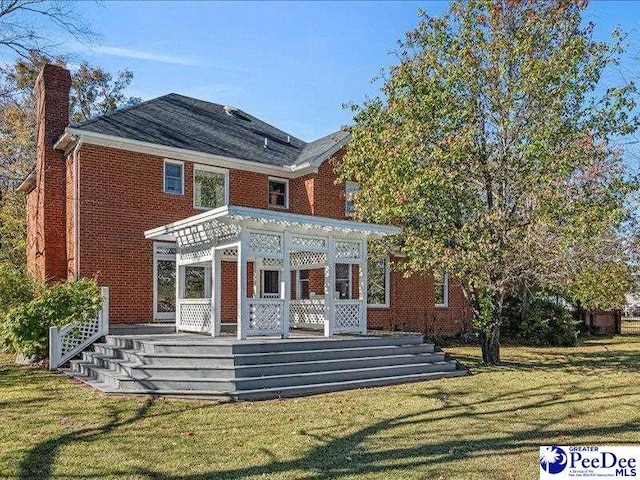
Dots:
pixel 292 271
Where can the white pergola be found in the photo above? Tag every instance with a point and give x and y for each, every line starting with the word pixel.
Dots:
pixel 277 241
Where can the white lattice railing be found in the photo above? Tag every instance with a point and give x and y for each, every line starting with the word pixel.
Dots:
pixel 66 342
pixel 308 311
pixel 347 316
pixel 194 315
pixel 265 316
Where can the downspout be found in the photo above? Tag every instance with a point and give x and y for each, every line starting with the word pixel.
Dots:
pixel 76 208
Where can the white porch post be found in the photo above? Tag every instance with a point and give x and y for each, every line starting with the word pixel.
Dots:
pixel 216 284
pixel 178 286
pixel 243 318
pixel 329 287
pixel 285 283
pixel 364 281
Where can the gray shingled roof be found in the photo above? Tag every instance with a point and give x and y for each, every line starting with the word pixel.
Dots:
pixel 177 121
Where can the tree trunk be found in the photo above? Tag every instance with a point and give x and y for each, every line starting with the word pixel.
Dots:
pixel 490 344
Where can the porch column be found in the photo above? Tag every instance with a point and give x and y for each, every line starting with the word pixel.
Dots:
pixel 178 286
pixel 364 281
pixel 285 283
pixel 329 287
pixel 216 287
pixel 243 318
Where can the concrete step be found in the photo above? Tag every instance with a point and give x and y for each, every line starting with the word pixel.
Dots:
pixel 299 391
pixel 121 377
pixel 158 344
pixel 330 354
pixel 142 328
pixel 273 393
pixel 216 369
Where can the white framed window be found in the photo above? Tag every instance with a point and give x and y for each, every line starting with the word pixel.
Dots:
pixel 270 283
pixel 302 289
pixel 278 193
pixel 350 188
pixel 378 283
pixel 441 287
pixel 164 280
pixel 173 177
pixel 343 281
pixel 210 187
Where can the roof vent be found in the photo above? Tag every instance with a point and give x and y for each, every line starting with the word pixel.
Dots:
pixel 236 112
pixel 266 142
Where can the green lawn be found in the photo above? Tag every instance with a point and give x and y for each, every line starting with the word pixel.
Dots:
pixel 488 425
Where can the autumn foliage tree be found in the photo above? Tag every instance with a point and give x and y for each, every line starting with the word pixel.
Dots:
pixel 492 145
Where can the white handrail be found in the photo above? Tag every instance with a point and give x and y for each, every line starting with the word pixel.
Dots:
pixel 66 342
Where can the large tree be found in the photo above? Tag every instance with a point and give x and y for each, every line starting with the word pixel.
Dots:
pixel 491 145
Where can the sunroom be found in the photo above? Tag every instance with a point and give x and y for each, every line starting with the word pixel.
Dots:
pixel 293 271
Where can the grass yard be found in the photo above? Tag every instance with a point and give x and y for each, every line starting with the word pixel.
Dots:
pixel 485 426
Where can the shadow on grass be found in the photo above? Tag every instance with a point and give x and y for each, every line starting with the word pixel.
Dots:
pixel 341 456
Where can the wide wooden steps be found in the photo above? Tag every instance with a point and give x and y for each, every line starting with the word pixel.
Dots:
pixel 228 369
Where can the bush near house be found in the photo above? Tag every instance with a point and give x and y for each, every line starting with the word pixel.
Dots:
pixel 27 311
pixel 538 321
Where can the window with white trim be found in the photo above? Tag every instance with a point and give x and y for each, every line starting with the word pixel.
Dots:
pixel 270 283
pixel 350 189
pixel 278 193
pixel 441 286
pixel 378 282
pixel 343 281
pixel 173 177
pixel 210 187
pixel 302 292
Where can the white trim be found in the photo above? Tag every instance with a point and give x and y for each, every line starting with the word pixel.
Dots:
pixel 346 195
pixel 299 282
pixel 279 220
pixel 286 192
pixel 350 278
pixel 121 143
pixel 387 286
pixel 446 291
pixel 209 168
pixel 164 175
pixel 162 256
pixel 280 279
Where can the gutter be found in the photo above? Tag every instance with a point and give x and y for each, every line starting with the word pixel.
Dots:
pixel 289 171
pixel 76 207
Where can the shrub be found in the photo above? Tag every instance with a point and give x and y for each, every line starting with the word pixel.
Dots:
pixel 26 326
pixel 539 322
pixel 15 287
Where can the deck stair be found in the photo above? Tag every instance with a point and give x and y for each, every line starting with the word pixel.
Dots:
pixel 227 369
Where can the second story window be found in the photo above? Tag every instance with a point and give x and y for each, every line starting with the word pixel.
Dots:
pixel 173 177
pixel 210 187
pixel 350 188
pixel 441 284
pixel 278 193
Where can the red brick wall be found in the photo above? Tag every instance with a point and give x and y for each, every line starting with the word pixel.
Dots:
pixel 46 204
pixel 412 307
pixel 121 196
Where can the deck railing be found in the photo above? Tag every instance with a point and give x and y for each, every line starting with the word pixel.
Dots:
pixel 66 342
pixel 265 316
pixel 348 316
pixel 194 315
pixel 307 312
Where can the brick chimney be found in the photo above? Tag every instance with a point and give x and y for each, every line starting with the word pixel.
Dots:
pixel 46 203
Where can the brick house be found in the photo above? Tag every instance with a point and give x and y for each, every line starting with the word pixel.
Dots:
pixel 108 199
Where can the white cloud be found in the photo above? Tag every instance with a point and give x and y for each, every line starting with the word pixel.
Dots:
pixel 139 54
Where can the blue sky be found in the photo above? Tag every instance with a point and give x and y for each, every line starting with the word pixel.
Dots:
pixel 291 64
